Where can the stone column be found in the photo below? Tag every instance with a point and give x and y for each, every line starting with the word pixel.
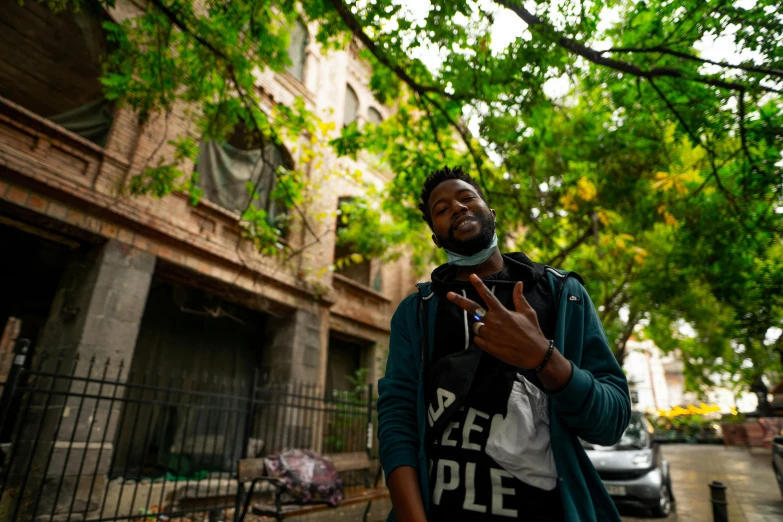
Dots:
pixel 294 353
pixel 288 413
pixel 94 320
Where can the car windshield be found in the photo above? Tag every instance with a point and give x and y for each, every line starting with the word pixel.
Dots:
pixel 635 436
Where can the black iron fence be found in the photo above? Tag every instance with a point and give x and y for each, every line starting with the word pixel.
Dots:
pixel 88 440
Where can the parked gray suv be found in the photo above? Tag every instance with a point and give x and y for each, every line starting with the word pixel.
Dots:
pixel 633 470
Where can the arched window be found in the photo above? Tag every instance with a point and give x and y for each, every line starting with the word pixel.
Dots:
pixel 373 116
pixel 226 170
pixel 351 106
pixel 297 50
pixel 52 63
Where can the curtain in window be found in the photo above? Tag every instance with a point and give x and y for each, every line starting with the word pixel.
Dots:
pixel 226 174
pixel 91 121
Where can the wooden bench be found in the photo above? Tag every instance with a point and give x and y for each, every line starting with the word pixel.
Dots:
pixel 254 471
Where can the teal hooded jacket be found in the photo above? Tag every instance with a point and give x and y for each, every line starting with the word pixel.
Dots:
pixel 595 404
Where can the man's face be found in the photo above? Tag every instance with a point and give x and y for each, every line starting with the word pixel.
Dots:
pixel 461 221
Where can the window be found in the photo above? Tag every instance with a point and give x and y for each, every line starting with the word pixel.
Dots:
pixel 228 170
pixel 373 116
pixel 359 272
pixel 351 106
pixel 377 280
pixel 52 63
pixel 343 361
pixel 297 50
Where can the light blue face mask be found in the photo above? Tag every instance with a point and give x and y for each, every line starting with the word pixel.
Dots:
pixel 475 259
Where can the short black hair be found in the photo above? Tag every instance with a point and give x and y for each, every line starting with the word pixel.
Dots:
pixel 438 177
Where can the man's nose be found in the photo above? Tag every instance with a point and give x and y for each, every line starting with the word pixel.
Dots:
pixel 458 207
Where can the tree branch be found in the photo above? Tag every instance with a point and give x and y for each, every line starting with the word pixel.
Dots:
pixel 743 133
pixel 686 56
pixel 610 300
pixel 622 341
pixel 423 90
pixel 432 124
pixel 596 57
pixel 356 28
pixel 183 26
pixel 710 151
pixel 304 247
pixel 466 139
pixel 587 234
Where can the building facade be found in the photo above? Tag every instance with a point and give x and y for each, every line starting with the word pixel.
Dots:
pixel 69 227
pixel 159 283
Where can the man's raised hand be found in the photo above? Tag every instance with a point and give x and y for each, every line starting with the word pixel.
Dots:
pixel 514 337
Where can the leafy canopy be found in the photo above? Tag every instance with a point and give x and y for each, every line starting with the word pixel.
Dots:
pixel 656 173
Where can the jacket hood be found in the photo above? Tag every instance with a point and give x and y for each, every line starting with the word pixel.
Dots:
pixel 519 267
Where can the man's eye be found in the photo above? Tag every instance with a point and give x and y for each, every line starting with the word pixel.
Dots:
pixel 441 211
pixel 469 198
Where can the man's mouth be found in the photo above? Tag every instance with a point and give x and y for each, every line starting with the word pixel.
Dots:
pixel 463 222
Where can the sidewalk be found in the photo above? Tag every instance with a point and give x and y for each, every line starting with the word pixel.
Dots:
pixel 753 494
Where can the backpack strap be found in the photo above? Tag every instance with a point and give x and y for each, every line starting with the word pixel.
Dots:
pixel 560 280
pixel 425 349
pixel 425 338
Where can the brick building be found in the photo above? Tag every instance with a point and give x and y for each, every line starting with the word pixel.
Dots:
pixel 159 283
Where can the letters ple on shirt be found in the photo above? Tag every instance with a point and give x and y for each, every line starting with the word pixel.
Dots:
pixel 519 443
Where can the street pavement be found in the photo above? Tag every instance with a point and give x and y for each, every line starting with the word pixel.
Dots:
pixel 752 493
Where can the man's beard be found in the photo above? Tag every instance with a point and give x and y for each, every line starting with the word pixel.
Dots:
pixel 475 244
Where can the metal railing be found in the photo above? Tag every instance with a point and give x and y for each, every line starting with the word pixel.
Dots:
pixel 88 440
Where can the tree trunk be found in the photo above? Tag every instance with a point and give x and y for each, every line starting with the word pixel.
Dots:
pixel 622 341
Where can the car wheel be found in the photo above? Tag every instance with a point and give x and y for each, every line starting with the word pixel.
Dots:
pixel 664 507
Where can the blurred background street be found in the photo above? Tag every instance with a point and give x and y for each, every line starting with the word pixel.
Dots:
pixel 752 493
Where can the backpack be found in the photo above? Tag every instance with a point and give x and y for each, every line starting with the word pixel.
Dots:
pixel 306 477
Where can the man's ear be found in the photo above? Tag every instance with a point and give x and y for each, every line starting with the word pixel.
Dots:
pixel 493 212
pixel 435 240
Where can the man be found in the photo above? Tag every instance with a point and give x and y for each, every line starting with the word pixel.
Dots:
pixel 495 369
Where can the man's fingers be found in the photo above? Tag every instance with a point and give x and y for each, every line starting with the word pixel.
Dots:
pixel 520 303
pixel 463 302
pixel 489 297
pixel 480 342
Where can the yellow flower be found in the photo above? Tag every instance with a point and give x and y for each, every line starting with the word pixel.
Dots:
pixel 585 189
pixel 670 220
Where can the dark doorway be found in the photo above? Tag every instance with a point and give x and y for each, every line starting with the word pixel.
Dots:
pixel 30 270
pixel 190 377
pixel 31 267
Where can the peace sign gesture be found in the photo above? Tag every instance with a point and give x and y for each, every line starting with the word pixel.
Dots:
pixel 513 337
